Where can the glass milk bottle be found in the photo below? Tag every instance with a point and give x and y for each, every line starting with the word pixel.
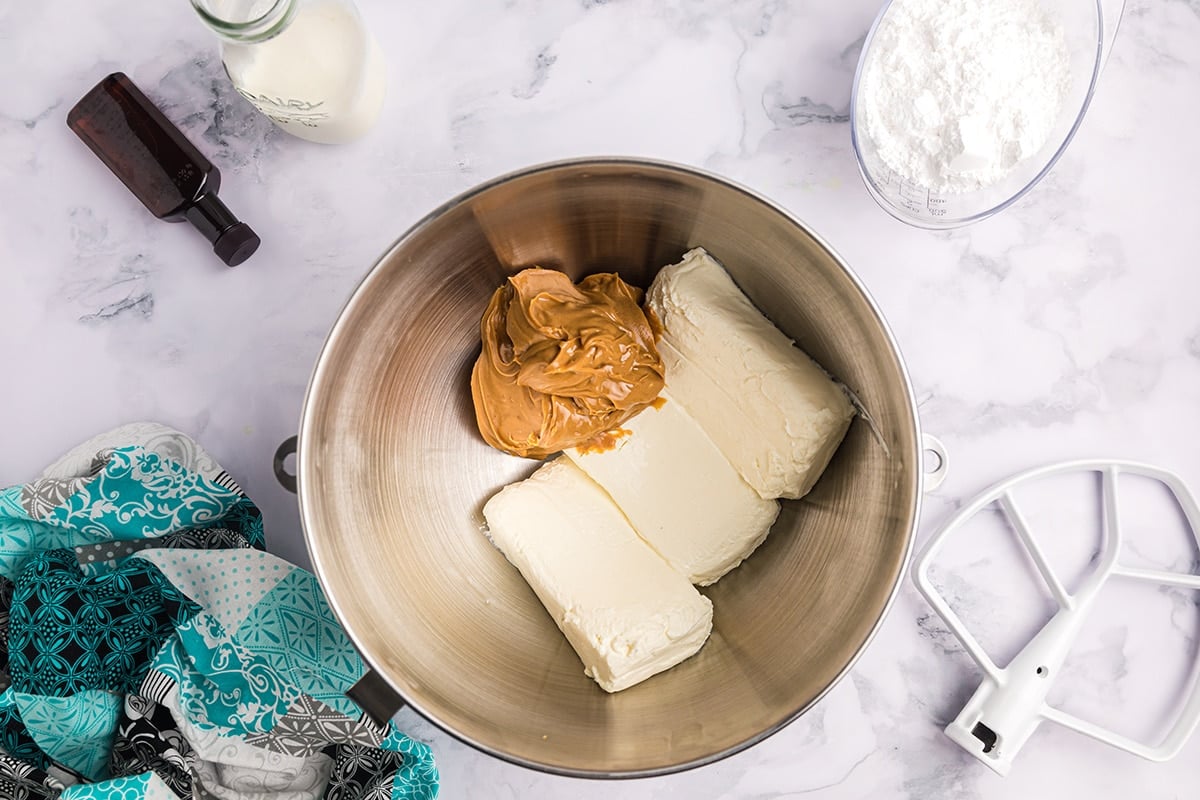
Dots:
pixel 310 65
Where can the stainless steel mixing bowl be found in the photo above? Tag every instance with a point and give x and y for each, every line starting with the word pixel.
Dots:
pixel 393 473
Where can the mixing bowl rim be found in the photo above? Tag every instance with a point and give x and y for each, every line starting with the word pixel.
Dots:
pixel 903 215
pixel 304 465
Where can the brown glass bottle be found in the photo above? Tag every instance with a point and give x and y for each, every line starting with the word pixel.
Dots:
pixel 158 164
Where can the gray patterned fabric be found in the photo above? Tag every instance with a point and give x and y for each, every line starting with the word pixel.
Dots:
pixel 309 723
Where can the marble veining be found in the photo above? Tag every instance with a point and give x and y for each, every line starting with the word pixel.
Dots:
pixel 1066 327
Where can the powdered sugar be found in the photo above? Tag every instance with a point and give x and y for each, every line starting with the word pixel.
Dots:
pixel 956 92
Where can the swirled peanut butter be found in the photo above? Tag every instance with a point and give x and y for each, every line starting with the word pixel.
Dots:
pixel 562 363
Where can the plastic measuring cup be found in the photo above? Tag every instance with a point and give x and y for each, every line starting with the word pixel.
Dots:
pixel 1089 27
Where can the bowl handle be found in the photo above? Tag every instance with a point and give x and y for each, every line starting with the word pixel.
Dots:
pixel 934 477
pixel 286 479
pixel 375 697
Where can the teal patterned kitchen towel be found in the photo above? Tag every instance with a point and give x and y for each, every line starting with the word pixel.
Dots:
pixel 150 648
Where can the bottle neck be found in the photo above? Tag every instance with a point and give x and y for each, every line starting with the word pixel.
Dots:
pixel 246 21
pixel 210 216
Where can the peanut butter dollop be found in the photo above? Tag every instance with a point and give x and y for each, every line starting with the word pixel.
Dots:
pixel 562 363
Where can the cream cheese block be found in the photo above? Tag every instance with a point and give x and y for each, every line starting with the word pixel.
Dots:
pixel 680 494
pixel 773 412
pixel 621 606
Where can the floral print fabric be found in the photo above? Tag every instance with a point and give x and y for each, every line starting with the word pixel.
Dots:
pixel 151 648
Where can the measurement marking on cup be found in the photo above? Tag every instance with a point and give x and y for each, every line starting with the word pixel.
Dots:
pixel 913 197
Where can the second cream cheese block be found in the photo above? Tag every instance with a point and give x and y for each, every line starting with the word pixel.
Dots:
pixel 626 613
pixel 680 494
pixel 770 408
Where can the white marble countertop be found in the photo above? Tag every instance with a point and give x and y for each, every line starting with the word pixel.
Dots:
pixel 1064 328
